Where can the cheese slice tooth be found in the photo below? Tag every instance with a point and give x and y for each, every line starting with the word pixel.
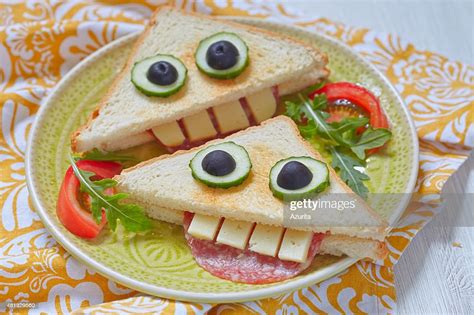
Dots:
pixel 266 239
pixel 295 245
pixel 262 104
pixel 230 117
pixel 169 134
pixel 199 126
pixel 235 233
pixel 204 227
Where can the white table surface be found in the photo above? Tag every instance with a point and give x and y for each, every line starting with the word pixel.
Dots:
pixel 433 275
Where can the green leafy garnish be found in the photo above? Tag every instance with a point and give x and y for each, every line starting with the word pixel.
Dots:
pixel 131 216
pixel 339 133
pixel 371 138
pixel 97 155
pixel 346 145
pixel 348 171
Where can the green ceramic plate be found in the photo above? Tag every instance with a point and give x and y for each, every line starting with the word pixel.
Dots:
pixel 160 262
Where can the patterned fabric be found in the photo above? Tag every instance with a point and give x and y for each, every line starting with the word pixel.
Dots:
pixel 40 41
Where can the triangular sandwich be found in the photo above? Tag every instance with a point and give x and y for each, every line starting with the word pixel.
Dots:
pixel 249 219
pixel 207 103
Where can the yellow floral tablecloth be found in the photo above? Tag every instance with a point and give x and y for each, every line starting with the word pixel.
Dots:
pixel 41 40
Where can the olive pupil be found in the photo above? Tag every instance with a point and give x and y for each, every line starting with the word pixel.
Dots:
pixel 294 175
pixel 218 163
pixel 222 55
pixel 162 73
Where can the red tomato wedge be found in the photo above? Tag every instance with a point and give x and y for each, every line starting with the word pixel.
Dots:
pixel 358 96
pixel 344 109
pixel 72 207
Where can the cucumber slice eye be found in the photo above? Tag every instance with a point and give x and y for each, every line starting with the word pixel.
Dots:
pixel 298 177
pixel 160 75
pixel 222 56
pixel 222 165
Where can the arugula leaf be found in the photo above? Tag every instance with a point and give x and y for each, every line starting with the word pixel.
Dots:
pixel 371 138
pixel 348 124
pixel 131 216
pixel 293 110
pixel 97 155
pixel 296 112
pixel 346 145
pixel 315 116
pixel 340 132
pixel 319 102
pixel 308 131
pixel 348 172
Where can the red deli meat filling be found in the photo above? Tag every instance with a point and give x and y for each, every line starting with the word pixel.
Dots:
pixel 245 266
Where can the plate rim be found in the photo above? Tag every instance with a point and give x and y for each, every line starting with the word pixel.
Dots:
pixel 278 289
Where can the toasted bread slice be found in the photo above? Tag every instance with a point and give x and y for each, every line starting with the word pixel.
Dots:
pixel 167 182
pixel 125 114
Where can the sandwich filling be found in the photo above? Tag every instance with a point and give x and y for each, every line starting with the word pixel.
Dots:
pixel 243 264
pixel 218 121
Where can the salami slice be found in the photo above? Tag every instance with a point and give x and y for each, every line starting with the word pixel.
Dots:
pixel 243 265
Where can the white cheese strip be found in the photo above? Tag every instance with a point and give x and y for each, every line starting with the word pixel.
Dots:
pixel 169 134
pixel 230 117
pixel 204 227
pixel 199 126
pixel 295 245
pixel 266 239
pixel 262 104
pixel 235 233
